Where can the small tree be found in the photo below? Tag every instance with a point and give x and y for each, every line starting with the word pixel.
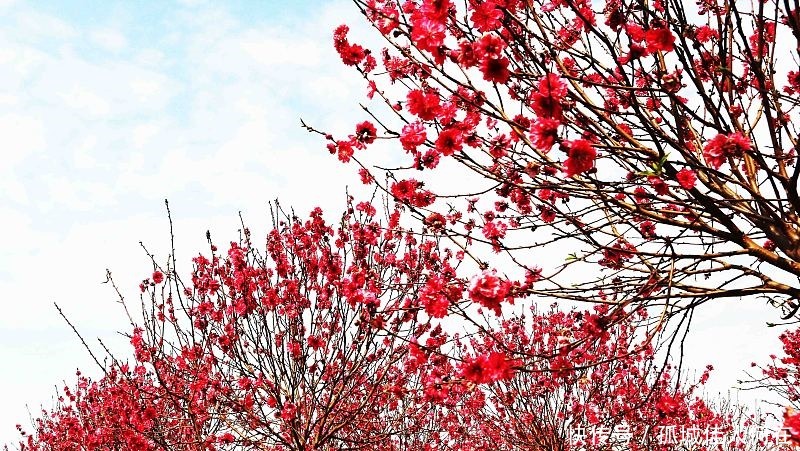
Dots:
pixel 300 345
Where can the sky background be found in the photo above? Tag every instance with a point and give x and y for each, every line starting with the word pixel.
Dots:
pixel 107 108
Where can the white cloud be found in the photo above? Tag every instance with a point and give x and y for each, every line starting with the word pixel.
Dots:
pixel 109 39
pixel 86 101
pixel 82 157
pixel 114 89
pixel 7 99
pixel 143 134
pixel 76 195
pixel 272 52
pixel 20 62
pixel 193 3
pixel 40 25
pixel 22 135
pixel 149 57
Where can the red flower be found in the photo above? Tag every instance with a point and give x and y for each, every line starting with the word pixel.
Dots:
pixel 659 185
pixel 636 51
pixel 366 177
pixel 686 178
pixel 340 33
pixel 548 215
pixel 546 106
pixel 351 54
pixel 722 146
pixel 668 405
pixel 659 39
pixel 648 229
pixel 435 297
pixel 635 32
pixel 430 160
pixel 465 55
pixel 494 230
pixel 489 368
pixel 490 46
pixel 344 150
pixel 449 141
pixel 427 34
pixel 408 191
pixel 435 222
pixel 366 132
pixel 705 34
pixel 422 198
pixel 544 133
pixel 412 136
pixel 616 255
pixel 553 86
pixel 384 18
pixel 794 82
pixel 315 342
pixel 226 438
pixel 158 277
pixel 580 157
pixel 404 189
pixel 489 290
pixel 500 367
pixel 424 104
pixel 288 412
pixel 495 70
pixel 486 16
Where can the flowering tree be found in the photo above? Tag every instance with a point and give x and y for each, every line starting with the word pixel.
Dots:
pixel 650 146
pixel 592 397
pixel 297 346
pixel 596 394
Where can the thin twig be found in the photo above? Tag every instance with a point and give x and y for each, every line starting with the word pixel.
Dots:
pixel 60 312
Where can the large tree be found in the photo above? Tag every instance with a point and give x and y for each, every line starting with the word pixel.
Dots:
pixel 649 146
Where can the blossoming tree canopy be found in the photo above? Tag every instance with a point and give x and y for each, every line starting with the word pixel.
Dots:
pixel 566 402
pixel 299 344
pixel 651 145
pixel 206 398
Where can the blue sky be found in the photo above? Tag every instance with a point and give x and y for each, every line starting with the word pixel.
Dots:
pixel 107 108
